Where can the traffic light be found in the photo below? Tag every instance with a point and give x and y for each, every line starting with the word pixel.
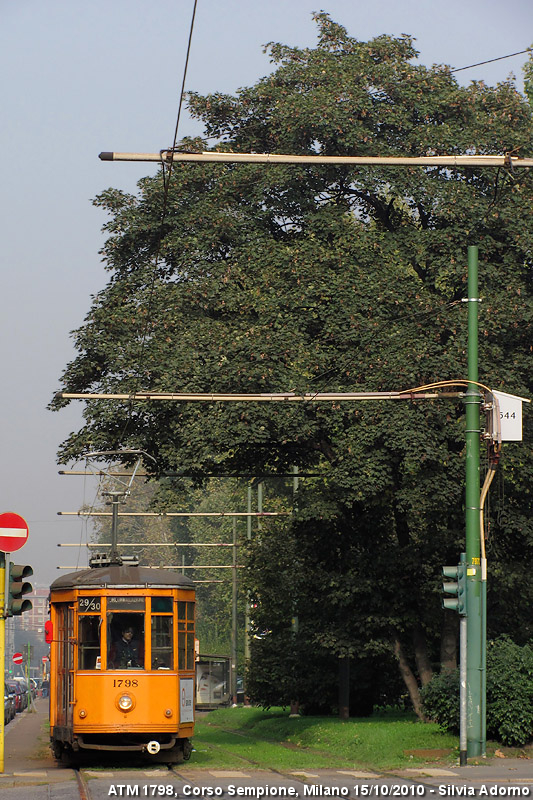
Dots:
pixel 456 587
pixel 18 587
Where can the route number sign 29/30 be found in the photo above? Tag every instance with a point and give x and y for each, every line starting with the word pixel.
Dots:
pixel 13 532
pixel 89 605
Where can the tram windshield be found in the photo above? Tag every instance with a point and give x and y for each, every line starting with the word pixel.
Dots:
pixel 125 637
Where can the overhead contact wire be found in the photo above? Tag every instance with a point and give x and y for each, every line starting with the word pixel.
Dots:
pixel 490 60
pixel 166 186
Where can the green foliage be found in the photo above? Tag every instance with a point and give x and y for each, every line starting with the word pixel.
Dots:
pixel 309 674
pixel 271 279
pixel 528 77
pixel 441 700
pixel 509 694
pixel 214 587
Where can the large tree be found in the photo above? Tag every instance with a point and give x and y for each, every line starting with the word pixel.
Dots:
pixel 250 278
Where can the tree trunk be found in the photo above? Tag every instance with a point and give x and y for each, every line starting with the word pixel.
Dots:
pixel 344 688
pixel 448 642
pixel 423 664
pixel 408 678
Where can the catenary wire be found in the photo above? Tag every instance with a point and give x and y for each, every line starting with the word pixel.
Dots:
pixel 166 186
pixel 490 60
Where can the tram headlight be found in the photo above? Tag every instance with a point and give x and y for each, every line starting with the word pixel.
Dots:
pixel 125 702
pixel 82 713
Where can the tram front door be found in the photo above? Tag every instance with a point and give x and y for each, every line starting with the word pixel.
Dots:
pixel 65 665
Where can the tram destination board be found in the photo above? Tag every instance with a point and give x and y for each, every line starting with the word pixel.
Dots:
pixel 125 603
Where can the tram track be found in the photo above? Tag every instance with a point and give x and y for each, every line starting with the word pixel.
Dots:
pixel 251 779
pixel 418 787
pixel 83 785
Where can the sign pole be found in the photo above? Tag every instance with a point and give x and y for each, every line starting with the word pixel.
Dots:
pixel 27 671
pixel 13 535
pixel 2 652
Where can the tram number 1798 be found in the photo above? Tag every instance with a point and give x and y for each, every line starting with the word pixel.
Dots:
pixel 126 683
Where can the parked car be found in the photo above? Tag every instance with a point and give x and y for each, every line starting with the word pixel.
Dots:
pixel 24 687
pixel 12 699
pixel 9 706
pixel 34 688
pixel 21 699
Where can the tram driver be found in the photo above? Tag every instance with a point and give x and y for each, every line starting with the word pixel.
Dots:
pixel 126 652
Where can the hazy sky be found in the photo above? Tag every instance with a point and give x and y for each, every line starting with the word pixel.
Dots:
pixel 79 78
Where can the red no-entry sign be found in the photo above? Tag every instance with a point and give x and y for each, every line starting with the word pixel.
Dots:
pixel 13 532
pixel 18 658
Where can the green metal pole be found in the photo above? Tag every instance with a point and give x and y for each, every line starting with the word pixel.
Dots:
pixel 247 618
pixel 259 503
pixel 475 702
pixel 484 661
pixel 233 674
pixel 295 487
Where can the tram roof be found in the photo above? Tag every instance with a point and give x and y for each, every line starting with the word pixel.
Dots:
pixel 126 576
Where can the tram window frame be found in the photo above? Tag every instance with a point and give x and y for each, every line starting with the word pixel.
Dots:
pixel 186 651
pixel 116 622
pixel 87 651
pixel 162 655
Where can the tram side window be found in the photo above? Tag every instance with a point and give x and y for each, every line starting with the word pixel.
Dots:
pixel 185 635
pixel 89 642
pixel 162 657
pixel 125 636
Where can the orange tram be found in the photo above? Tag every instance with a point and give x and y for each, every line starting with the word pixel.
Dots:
pixel 122 663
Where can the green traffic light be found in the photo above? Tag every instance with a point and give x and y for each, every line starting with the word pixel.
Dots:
pixel 456 587
pixel 17 588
